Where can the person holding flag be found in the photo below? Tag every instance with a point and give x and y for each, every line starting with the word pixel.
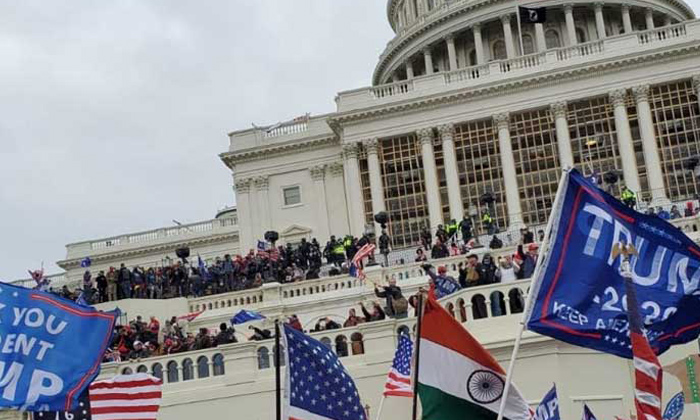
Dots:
pixel 398 382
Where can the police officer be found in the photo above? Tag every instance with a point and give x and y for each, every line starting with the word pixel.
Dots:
pixel 452 228
pixel 337 252
pixel 465 226
pixel 628 197
pixel 487 221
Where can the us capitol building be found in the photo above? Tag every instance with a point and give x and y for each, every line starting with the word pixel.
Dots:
pixel 460 106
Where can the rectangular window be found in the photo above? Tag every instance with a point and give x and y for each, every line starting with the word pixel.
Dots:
pixel 292 195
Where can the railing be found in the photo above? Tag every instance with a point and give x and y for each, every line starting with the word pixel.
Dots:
pixel 549 60
pixel 159 234
pixel 581 50
pixel 472 305
pixel 393 89
pixel 524 62
pixel 250 299
pixel 662 34
pixel 293 128
pixel 469 73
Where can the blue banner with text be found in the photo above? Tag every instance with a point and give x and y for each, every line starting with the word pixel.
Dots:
pixel 50 349
pixel 579 293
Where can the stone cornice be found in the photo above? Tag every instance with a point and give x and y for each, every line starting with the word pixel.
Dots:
pixel 438 18
pixel 265 152
pixel 523 83
pixel 120 255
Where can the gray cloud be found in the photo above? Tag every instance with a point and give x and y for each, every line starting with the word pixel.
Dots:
pixel 112 113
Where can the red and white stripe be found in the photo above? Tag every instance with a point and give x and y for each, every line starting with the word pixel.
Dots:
pixel 361 254
pixel 398 385
pixel 647 379
pixel 126 397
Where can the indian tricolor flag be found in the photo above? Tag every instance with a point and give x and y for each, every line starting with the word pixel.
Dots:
pixel 459 379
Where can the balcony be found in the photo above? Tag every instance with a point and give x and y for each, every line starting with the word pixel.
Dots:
pixel 552 60
pixel 160 236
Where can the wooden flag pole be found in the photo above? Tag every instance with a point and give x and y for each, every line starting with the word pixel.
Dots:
pixel 415 374
pixel 531 294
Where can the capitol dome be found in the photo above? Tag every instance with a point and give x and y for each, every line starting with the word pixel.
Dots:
pixel 442 35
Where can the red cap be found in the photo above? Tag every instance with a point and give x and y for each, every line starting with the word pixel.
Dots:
pixel 533 246
pixel 442 269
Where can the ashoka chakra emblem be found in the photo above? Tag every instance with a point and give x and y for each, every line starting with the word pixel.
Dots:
pixel 484 386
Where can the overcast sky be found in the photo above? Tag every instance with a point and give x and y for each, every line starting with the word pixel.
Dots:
pixel 112 114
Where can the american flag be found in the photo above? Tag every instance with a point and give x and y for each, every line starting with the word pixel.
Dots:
pixel 398 383
pixel 647 369
pixel 361 254
pixel 123 397
pixel 190 316
pixel 318 386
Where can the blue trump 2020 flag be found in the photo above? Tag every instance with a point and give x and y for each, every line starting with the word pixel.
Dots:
pixel 549 407
pixel 245 315
pixel 579 294
pixel 50 349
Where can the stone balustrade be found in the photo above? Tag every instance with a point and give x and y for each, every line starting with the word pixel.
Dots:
pixel 373 341
pixel 551 60
pixel 152 237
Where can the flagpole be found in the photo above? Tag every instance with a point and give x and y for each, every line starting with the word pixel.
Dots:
pixel 415 375
pixel 278 380
pixel 520 30
pixel 531 295
pixel 381 405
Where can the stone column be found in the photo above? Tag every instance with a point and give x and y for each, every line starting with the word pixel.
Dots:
pixel 624 140
pixel 510 180
pixel 428 57
pixel 651 152
pixel 566 157
pixel 375 178
pixel 599 21
pixel 539 38
pixel 478 44
pixel 353 190
pixel 508 36
pixel 262 184
pixel 318 175
pixel 337 205
pixel 649 17
pixel 451 51
pixel 454 192
pixel 409 69
pixel 626 21
pixel 245 212
pixel 570 26
pixel 432 188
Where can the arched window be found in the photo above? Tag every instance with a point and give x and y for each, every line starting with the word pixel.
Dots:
pixel 499 50
pixel 479 307
pixel 203 367
pixel 498 304
pixel 358 347
pixel 187 370
pixel 462 310
pixel 517 303
pixel 142 369
pixel 580 36
pixel 263 358
pixel 450 308
pixel 341 346
pixel 528 44
pixel 472 58
pixel 326 341
pixel 551 39
pixel 274 361
pixel 157 370
pixel 218 362
pixel 127 371
pixel 173 376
